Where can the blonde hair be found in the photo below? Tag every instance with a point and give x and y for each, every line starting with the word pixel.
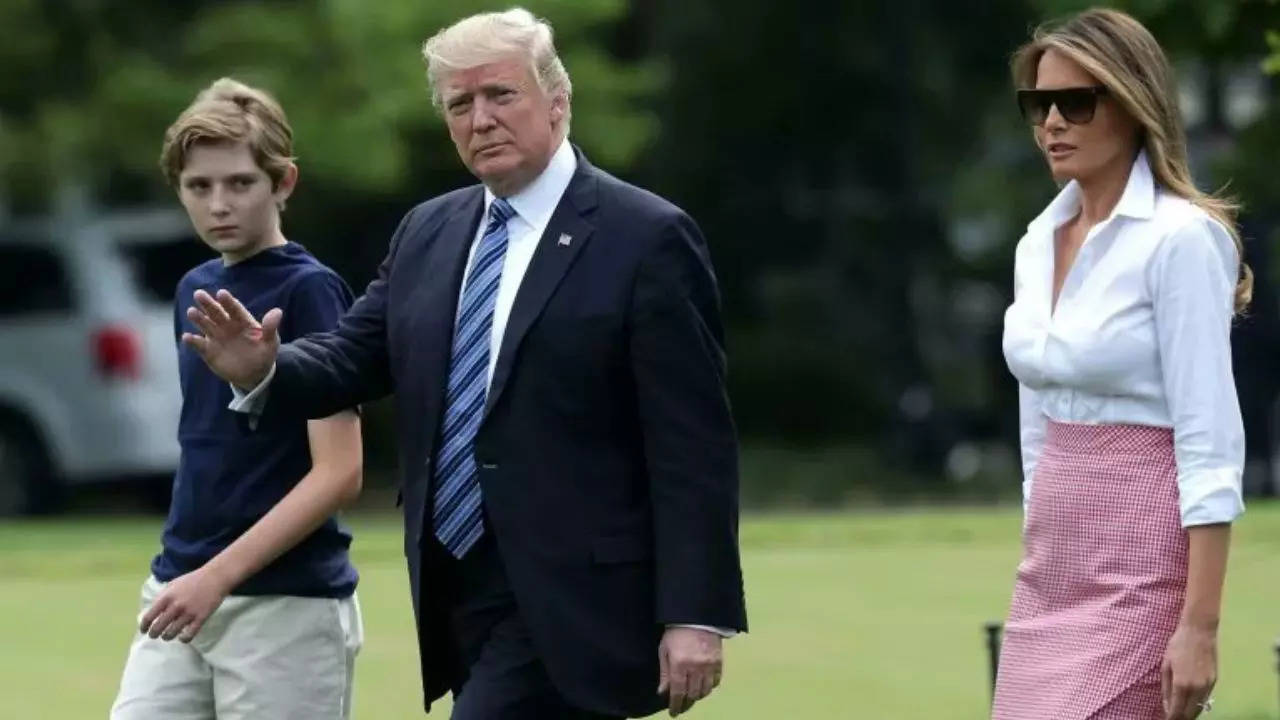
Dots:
pixel 1122 54
pixel 489 37
pixel 230 111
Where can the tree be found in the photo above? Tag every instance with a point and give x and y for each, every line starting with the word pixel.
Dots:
pixel 90 86
pixel 818 149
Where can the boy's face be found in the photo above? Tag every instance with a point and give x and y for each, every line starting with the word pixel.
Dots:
pixel 230 199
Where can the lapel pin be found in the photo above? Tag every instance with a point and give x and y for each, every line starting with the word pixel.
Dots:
pixel 565 239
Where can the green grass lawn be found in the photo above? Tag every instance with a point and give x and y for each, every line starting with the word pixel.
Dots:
pixel 853 616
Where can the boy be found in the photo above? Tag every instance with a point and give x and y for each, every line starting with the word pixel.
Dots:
pixel 253 576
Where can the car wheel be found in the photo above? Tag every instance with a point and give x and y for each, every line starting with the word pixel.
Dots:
pixel 26 484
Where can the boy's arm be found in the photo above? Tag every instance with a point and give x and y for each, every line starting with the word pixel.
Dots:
pixel 333 482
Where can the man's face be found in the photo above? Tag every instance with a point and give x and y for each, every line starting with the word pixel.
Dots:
pixel 504 126
pixel 230 199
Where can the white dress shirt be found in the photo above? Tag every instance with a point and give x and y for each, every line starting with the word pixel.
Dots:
pixel 534 206
pixel 1140 335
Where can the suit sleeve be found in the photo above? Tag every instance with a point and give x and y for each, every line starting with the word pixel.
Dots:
pixel 690 444
pixel 322 373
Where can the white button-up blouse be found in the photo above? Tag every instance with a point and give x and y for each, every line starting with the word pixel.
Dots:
pixel 1140 335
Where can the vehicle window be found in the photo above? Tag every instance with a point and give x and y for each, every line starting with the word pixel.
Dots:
pixel 33 280
pixel 158 266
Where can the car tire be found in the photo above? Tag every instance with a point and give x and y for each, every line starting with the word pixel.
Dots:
pixel 27 484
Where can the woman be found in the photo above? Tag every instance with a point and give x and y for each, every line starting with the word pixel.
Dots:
pixel 1132 443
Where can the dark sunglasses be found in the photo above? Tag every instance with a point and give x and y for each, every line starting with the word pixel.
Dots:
pixel 1075 105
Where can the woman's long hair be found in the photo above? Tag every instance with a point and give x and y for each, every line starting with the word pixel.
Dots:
pixel 1122 54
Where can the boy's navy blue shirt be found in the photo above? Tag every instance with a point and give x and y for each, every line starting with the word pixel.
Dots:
pixel 229 475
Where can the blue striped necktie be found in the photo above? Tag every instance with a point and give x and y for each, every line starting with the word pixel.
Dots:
pixel 457 516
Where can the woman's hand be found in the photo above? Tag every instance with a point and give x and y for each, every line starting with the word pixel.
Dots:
pixel 1189 671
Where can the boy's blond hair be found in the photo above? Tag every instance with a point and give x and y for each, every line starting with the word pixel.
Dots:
pixel 230 111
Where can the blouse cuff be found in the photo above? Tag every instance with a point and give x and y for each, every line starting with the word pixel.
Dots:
pixel 1207 497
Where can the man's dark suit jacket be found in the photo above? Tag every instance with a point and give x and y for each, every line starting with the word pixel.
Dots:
pixel 607 454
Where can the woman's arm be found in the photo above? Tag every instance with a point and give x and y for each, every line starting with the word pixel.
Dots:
pixel 1192 276
pixel 1190 668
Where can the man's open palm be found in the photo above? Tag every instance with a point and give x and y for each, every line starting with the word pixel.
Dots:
pixel 235 346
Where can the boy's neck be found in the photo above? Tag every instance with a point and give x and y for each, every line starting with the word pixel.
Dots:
pixel 275 239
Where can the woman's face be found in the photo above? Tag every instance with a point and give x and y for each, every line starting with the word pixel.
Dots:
pixel 1090 133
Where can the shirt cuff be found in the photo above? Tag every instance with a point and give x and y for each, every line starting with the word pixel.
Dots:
pixel 1207 497
pixel 253 401
pixel 722 632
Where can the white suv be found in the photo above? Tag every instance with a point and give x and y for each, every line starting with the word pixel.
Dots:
pixel 88 367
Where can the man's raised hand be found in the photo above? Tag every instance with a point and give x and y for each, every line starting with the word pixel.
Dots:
pixel 235 346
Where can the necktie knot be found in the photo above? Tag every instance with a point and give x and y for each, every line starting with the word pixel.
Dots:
pixel 500 211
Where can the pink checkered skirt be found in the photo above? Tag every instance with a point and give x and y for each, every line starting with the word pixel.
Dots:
pixel 1102 578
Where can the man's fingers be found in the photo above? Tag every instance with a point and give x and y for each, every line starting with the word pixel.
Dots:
pixel 664 669
pixel 210 307
pixel 202 322
pixel 196 342
pixel 703 679
pixel 237 312
pixel 699 685
pixel 712 678
pixel 687 704
pixel 271 322
pixel 677 701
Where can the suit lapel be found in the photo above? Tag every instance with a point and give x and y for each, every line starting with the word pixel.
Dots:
pixel 567 233
pixel 437 298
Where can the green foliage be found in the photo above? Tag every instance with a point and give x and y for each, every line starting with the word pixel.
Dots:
pixel 1223 27
pixel 1272 63
pixel 349 73
pixel 819 150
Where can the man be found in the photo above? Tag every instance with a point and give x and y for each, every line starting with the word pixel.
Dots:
pixel 569 464
pixel 253 575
